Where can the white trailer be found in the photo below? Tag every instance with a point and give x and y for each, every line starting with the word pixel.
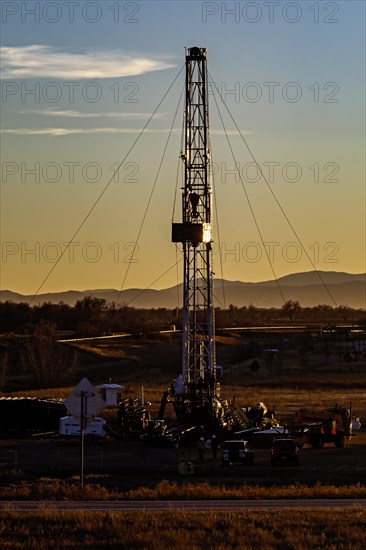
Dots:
pixel 69 425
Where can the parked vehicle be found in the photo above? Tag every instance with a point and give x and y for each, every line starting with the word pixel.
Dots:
pixel 319 426
pixel 69 425
pixel 236 451
pixel 263 439
pixel 285 451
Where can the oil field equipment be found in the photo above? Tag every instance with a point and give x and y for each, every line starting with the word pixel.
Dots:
pixel 133 417
pixel 31 414
pixel 319 426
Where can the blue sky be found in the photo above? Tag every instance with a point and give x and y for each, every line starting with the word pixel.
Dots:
pixel 292 75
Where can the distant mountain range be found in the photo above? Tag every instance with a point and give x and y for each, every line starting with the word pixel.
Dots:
pixel 307 288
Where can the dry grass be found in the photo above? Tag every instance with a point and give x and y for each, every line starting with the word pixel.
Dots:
pixel 192 491
pixel 49 489
pixel 147 530
pixel 56 490
pixel 61 393
pixel 101 351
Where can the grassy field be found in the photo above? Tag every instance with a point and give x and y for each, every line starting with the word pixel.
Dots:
pixel 52 489
pixel 224 530
pixel 301 380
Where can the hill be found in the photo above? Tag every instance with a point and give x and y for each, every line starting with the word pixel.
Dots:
pixel 307 288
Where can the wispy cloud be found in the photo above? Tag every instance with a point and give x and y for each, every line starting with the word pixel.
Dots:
pixel 39 61
pixel 71 131
pixel 64 113
pixel 108 130
pixel 80 114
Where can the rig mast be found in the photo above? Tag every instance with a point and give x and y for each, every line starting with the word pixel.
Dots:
pixel 197 401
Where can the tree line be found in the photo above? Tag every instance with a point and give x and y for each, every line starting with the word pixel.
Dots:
pixel 95 316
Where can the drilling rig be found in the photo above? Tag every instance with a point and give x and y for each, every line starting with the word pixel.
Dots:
pixel 196 395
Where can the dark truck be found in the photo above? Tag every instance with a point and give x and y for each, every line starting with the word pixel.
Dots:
pixel 285 451
pixel 236 451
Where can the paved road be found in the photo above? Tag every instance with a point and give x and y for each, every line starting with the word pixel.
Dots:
pixel 123 505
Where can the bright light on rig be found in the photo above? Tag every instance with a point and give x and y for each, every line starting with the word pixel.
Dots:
pixel 207 233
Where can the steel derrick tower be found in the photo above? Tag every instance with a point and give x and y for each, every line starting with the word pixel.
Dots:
pixel 195 234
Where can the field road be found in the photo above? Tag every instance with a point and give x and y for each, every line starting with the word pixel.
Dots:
pixel 154 505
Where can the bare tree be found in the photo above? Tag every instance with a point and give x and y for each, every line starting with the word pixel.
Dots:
pixel 46 361
pixel 291 307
